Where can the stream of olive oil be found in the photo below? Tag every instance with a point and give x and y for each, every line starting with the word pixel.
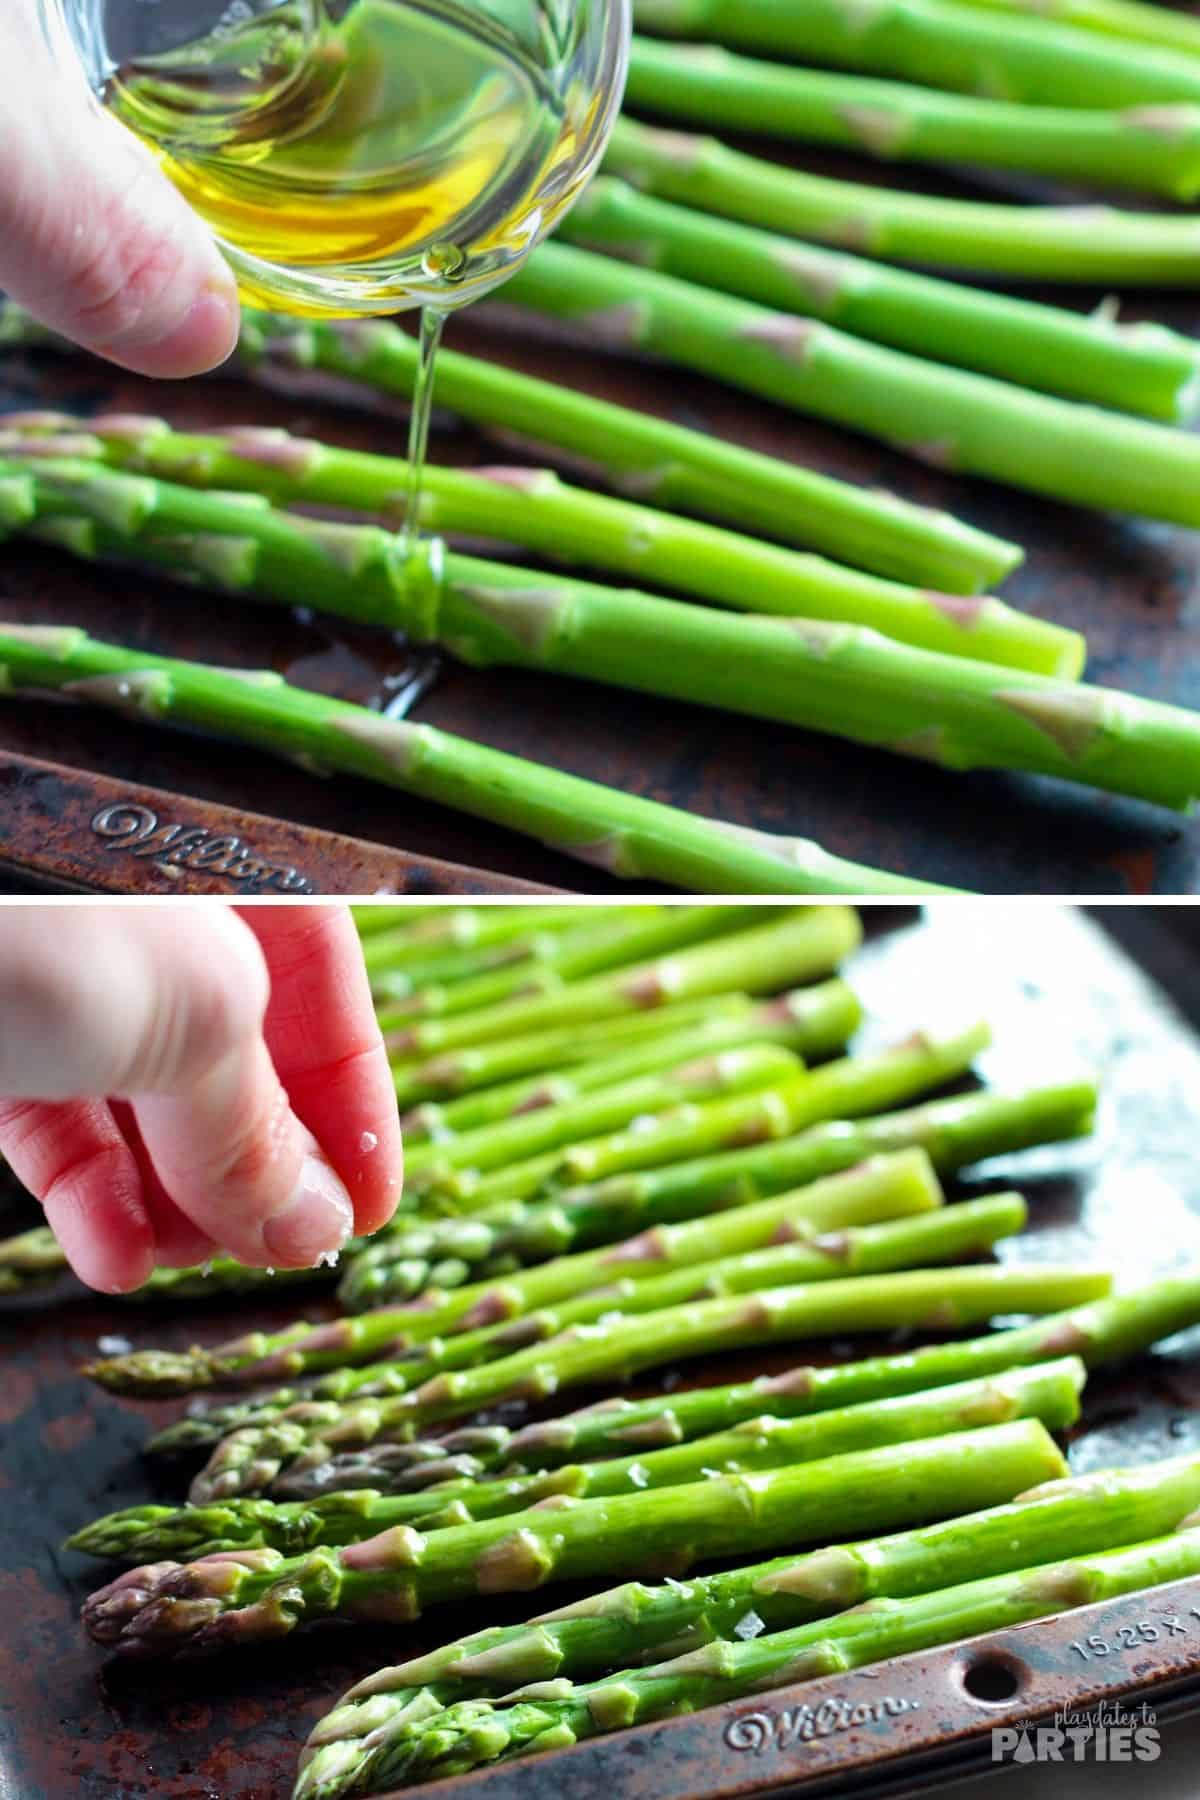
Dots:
pixel 408 134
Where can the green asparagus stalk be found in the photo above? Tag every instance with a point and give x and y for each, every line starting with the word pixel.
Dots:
pixel 1104 1332
pixel 808 1021
pixel 829 1212
pixel 775 1245
pixel 469 1073
pixel 705 85
pixel 431 986
pixel 467 928
pixel 1132 20
pixel 553 1715
pixel 610 940
pixel 632 837
pixel 809 673
pixel 955 1132
pixel 378 916
pixel 626 1344
pixel 1140 368
pixel 239 1598
pixel 797 945
pixel 686 1085
pixel 304 1439
pixel 35 1258
pixel 303 1349
pixel 1107 1331
pixel 940 43
pixel 618 1629
pixel 848 1088
pixel 657 462
pixel 754 1117
pixel 534 509
pixel 952 418
pixel 1081 244
pixel 879 1189
pixel 1049 1392
pixel 29 1260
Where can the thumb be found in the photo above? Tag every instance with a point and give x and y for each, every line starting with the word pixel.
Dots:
pixel 94 240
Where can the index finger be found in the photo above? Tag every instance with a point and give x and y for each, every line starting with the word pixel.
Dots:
pixel 328 1050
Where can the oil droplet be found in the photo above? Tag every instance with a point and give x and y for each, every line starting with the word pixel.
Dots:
pixel 444 262
pixel 368 1142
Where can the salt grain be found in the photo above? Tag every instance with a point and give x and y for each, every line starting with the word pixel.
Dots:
pixel 368 1142
pixel 114 1346
pixel 749 1626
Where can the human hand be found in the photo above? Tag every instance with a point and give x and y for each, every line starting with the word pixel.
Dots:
pixel 94 240
pixel 180 1079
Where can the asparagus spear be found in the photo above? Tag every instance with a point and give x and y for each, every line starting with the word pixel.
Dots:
pixel 34 1258
pixel 250 1460
pixel 469 1072
pixel 848 1088
pixel 685 1085
pixel 29 1260
pixel 649 1254
pixel 433 986
pixel 618 1629
pixel 465 928
pixel 834 1209
pixel 630 836
pixel 1141 368
pixel 378 916
pixel 854 1085
pixel 810 1021
pixel 881 1188
pixel 655 461
pixel 534 509
pixel 955 1132
pixel 1049 1392
pixel 1129 19
pixel 811 673
pixel 609 940
pixel 705 85
pixel 952 418
pixel 1083 244
pixel 624 1345
pixel 939 43
pixel 1107 1331
pixel 241 1597
pixel 796 945
pixel 554 1715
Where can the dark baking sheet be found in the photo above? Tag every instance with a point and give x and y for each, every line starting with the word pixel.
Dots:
pixel 1061 992
pixel 1133 587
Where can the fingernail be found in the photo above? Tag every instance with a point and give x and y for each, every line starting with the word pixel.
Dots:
pixel 316 1221
pixel 203 338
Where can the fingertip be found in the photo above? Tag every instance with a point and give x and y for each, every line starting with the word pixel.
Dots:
pixel 377 1177
pixel 203 339
pixel 316 1222
pixel 108 1240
